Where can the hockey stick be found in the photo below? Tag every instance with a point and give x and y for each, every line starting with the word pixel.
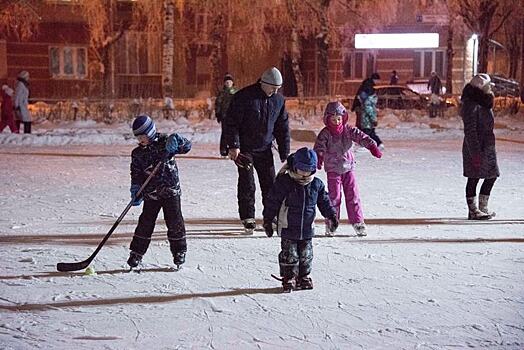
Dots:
pixel 75 266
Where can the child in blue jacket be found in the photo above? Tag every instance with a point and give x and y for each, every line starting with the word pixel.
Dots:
pixel 293 198
pixel 162 192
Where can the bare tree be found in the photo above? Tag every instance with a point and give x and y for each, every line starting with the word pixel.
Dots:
pixel 485 18
pixel 19 19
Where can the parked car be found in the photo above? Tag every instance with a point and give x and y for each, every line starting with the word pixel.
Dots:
pixel 504 86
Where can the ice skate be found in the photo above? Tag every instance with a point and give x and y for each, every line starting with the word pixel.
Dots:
pixel 360 229
pixel 288 284
pixel 304 283
pixel 179 259
pixel 249 226
pixel 134 261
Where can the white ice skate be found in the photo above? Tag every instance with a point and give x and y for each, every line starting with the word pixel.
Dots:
pixel 249 226
pixel 360 229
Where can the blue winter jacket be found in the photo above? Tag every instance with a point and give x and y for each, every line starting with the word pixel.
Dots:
pixel 166 183
pixel 253 120
pixel 296 205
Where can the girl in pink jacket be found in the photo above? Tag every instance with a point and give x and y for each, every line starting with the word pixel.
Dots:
pixel 333 147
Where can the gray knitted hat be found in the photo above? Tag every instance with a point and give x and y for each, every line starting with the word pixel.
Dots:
pixel 272 76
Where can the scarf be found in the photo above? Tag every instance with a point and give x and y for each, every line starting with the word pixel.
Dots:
pixel 302 180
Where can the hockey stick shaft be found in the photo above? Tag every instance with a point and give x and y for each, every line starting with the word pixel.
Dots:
pixel 75 266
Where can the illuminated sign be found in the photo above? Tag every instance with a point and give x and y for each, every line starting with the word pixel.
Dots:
pixel 397 41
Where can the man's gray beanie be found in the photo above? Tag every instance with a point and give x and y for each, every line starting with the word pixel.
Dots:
pixel 272 76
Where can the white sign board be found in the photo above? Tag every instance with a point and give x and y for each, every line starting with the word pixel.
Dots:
pixel 397 41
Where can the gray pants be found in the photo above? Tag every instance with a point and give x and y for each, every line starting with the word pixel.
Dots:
pixel 296 258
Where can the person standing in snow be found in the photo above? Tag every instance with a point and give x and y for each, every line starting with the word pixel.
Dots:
pixel 293 198
pixel 393 79
pixel 479 157
pixel 8 117
pixel 222 103
pixel 368 117
pixel 22 102
pixel 162 192
pixel 435 86
pixel 256 116
pixel 368 87
pixel 333 147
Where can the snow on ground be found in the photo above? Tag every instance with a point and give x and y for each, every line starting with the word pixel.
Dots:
pixel 423 278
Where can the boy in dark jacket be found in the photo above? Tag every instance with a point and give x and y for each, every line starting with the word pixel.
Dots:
pixel 294 197
pixel 162 192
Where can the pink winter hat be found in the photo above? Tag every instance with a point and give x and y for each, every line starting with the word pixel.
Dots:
pixel 335 108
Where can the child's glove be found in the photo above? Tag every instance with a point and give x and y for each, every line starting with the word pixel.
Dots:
pixel 172 144
pixel 268 227
pixel 244 161
pixel 136 201
pixel 320 161
pixel 375 151
pixel 476 161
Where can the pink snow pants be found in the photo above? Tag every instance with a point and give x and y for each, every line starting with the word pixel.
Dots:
pixel 346 182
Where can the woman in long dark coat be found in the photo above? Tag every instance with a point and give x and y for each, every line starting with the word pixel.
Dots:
pixel 478 150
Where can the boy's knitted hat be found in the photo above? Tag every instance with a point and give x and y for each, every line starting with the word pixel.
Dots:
pixel 144 125
pixel 228 77
pixel 305 159
pixel 272 76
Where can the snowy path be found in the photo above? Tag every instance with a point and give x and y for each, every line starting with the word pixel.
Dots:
pixel 424 277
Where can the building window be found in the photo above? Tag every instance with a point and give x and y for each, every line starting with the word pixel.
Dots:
pixel 138 53
pixel 68 62
pixel 427 61
pixel 358 65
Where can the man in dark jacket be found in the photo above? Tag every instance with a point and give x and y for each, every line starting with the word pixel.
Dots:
pixel 256 116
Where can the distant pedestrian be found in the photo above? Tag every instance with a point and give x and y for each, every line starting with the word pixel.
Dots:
pixel 224 98
pixel 435 87
pixel 22 113
pixel 478 149
pixel 368 87
pixel 7 111
pixel 393 80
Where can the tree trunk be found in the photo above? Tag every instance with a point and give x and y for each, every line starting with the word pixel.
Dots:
pixel 295 52
pixel 322 40
pixel 168 48
pixel 108 55
pixel 218 36
pixel 449 59
pixel 295 56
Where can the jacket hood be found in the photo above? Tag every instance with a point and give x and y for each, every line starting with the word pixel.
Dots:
pixel 335 108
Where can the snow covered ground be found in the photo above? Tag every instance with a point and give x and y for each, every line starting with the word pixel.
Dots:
pixel 424 277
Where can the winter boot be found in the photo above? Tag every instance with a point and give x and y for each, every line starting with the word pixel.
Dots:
pixel 249 225
pixel 483 205
pixel 288 284
pixel 134 259
pixel 179 258
pixel 304 282
pixel 474 213
pixel 360 229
